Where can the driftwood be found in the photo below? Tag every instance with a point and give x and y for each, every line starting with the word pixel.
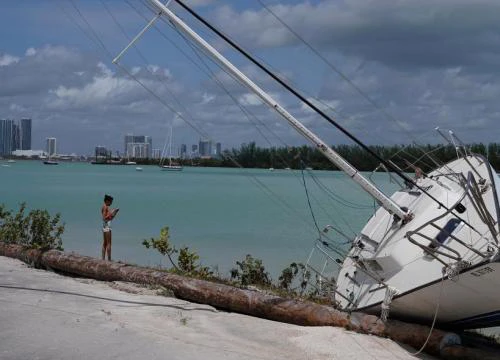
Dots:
pixel 246 301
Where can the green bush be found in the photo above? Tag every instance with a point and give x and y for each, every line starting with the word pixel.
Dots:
pixel 250 271
pixel 36 230
pixel 187 261
pixel 162 245
pixel 289 275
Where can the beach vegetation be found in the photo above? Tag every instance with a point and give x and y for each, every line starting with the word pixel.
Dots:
pixel 295 274
pixel 250 271
pixel 36 229
pixel 187 260
pixel 295 280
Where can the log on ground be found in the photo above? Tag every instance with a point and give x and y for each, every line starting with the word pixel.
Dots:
pixel 238 300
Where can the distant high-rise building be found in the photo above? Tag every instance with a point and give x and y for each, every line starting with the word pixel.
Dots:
pixel 140 146
pixel 25 134
pixel 101 151
pixel 51 146
pixel 129 138
pixel 205 147
pixel 6 136
pixel 149 140
pixel 156 153
pixel 218 149
pixel 183 151
pixel 16 137
pixel 194 148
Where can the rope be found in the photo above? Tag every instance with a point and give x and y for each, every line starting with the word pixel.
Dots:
pixel 389 294
pixel 434 320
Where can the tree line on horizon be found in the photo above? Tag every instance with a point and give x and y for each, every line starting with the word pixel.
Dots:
pixel 299 157
pixel 252 156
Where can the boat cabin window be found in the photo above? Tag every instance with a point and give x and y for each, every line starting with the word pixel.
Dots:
pixel 446 231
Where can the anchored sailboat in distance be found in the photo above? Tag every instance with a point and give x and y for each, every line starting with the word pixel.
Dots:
pixel 430 251
pixel 171 166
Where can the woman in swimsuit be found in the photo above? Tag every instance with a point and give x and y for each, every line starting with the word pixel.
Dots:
pixel 107 215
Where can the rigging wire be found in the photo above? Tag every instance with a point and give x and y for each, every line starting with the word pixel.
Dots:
pixel 196 50
pixel 319 111
pixel 250 115
pixel 345 78
pixel 335 197
pixel 94 37
pixel 337 71
pixel 309 201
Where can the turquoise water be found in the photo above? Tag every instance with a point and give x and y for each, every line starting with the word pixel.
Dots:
pixel 223 214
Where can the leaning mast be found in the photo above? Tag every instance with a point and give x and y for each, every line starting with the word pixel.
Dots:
pixel 386 202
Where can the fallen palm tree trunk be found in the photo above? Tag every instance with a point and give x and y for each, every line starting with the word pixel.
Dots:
pixel 240 300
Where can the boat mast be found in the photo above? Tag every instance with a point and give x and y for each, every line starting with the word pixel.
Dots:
pixel 170 144
pixel 333 156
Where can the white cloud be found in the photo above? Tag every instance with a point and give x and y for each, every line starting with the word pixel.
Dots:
pixel 207 98
pixel 250 99
pixel 6 60
pixel 324 105
pixel 16 108
pixel 30 52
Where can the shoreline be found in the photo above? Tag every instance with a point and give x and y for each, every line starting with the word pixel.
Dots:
pixel 89 318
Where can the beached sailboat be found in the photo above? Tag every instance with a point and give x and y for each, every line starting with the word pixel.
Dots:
pixel 430 251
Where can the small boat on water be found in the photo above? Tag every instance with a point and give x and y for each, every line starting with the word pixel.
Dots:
pixel 50 162
pixel 430 251
pixel 130 163
pixel 138 169
pixel 171 167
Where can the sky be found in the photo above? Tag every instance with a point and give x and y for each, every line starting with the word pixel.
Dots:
pixel 389 71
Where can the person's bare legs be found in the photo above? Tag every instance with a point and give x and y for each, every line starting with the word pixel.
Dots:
pixel 104 244
pixel 109 246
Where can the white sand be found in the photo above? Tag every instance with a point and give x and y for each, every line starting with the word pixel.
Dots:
pixel 47 316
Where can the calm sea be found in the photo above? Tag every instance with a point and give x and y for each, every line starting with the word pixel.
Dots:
pixel 223 214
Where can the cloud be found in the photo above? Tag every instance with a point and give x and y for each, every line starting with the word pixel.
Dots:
pixel 403 34
pixel 6 60
pixel 250 99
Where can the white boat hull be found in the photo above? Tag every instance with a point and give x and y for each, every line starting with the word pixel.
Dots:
pixel 468 301
pixel 171 168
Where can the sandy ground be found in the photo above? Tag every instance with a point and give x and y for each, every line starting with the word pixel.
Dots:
pixel 44 315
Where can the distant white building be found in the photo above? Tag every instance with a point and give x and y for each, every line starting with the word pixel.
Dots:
pixel 51 146
pixel 156 153
pixel 30 153
pixel 138 146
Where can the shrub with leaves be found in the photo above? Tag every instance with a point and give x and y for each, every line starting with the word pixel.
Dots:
pixel 290 274
pixel 37 229
pixel 162 245
pixel 250 271
pixel 187 261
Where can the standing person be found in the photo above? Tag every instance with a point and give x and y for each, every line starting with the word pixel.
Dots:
pixel 107 215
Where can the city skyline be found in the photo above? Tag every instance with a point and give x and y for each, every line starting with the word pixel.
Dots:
pixel 140 146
